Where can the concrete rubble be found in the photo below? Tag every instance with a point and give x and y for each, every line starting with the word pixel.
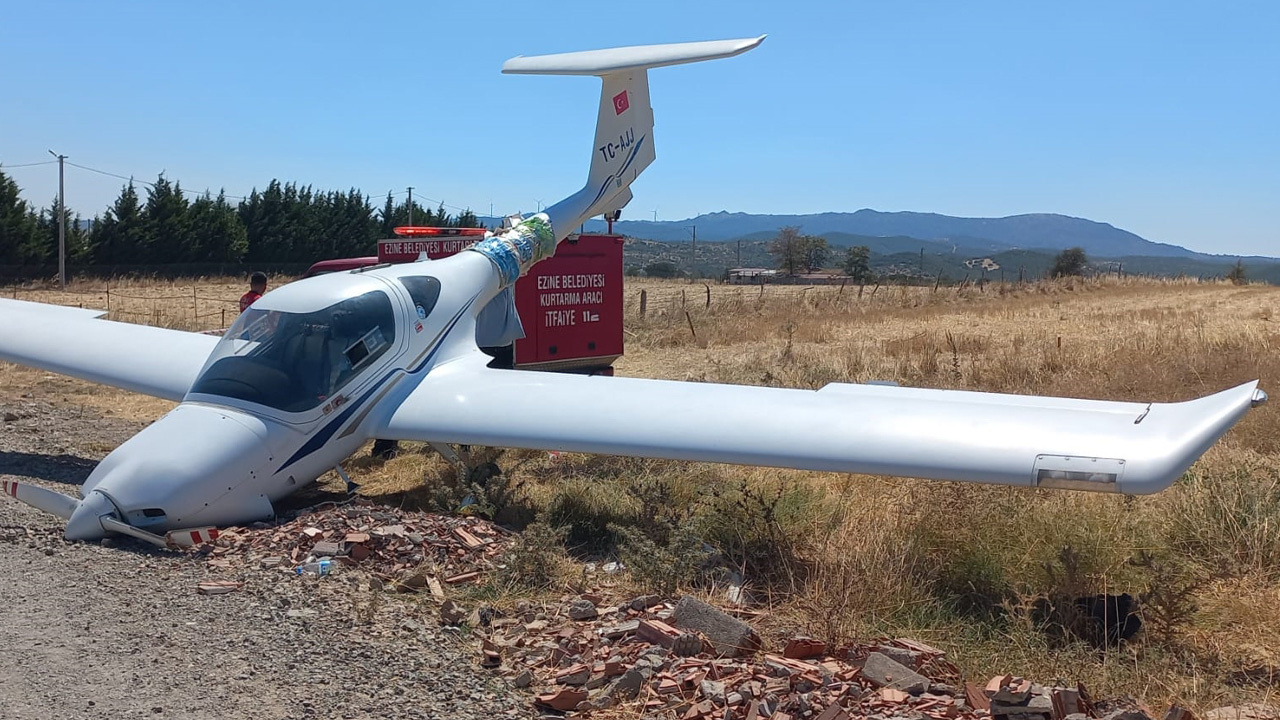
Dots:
pixel 408 551
pixel 626 657
pixel 651 656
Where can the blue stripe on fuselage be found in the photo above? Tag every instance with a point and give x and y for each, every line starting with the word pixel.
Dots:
pixel 318 440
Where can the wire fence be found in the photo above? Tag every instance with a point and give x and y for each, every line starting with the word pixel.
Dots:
pixel 192 310
pixel 197 308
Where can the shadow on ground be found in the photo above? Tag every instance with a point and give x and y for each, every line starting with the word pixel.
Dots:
pixel 67 469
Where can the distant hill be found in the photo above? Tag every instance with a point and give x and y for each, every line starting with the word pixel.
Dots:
pixel 904 231
pixel 887 260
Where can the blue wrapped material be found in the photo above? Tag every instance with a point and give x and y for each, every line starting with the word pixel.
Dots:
pixel 516 250
pixel 503 255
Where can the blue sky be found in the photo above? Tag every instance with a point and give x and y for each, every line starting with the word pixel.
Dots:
pixel 1162 118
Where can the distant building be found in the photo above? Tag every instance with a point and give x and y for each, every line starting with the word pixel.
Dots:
pixel 984 264
pixel 822 277
pixel 751 276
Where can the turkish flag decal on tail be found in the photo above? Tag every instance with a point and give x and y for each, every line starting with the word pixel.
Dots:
pixel 620 103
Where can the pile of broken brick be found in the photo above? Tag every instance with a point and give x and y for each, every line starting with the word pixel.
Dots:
pixel 692 661
pixel 411 550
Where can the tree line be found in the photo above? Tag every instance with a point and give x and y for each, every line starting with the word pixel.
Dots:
pixel 285 223
pixel 798 253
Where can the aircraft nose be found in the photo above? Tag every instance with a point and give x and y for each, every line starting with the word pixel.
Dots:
pixel 84 523
pixel 197 465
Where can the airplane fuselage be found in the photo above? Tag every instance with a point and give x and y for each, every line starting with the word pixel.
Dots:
pixel 293 389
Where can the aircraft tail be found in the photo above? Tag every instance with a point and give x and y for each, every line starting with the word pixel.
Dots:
pixel 624 144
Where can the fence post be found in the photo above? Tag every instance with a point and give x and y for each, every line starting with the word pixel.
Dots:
pixel 691 330
pixel 644 302
pixel 708 287
pixel 224 317
pixel 195 306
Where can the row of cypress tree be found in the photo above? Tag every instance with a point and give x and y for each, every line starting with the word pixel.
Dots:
pixel 285 223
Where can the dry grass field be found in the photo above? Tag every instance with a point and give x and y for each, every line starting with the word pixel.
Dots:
pixel 967 568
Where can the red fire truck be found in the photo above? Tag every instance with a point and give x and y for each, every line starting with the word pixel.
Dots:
pixel 570 304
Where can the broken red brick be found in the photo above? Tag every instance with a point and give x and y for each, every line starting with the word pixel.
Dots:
pixel 894 696
pixel 1066 701
pixel 917 646
pixel 694 678
pixel 976 696
pixel 833 712
pixel 471 541
pixel 564 700
pixel 997 682
pixel 218 587
pixel 798 666
pixel 657 633
pixel 803 647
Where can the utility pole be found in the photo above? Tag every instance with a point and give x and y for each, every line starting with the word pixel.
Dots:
pixel 62 223
pixel 693 250
pixel 411 206
pixel 739 262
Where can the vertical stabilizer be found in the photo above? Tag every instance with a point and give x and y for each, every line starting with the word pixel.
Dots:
pixel 623 144
pixel 624 138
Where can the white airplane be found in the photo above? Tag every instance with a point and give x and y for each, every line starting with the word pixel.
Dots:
pixel 316 368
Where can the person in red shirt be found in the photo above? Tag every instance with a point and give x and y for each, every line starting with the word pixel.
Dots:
pixel 257 286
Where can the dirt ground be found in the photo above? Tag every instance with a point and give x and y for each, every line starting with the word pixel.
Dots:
pixel 105 632
pixel 119 631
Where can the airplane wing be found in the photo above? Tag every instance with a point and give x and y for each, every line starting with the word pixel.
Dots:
pixel 1126 447
pixel 149 360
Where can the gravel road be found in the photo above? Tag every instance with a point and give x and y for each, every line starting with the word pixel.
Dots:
pixel 118 631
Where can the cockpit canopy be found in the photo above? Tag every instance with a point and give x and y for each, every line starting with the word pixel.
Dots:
pixel 294 361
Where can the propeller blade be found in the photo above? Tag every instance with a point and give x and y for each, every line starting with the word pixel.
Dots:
pixel 54 503
pixel 192 537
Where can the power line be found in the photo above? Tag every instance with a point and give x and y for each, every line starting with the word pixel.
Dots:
pixel 442 203
pixel 26 165
pixel 206 191
pixel 109 174
pixel 134 179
